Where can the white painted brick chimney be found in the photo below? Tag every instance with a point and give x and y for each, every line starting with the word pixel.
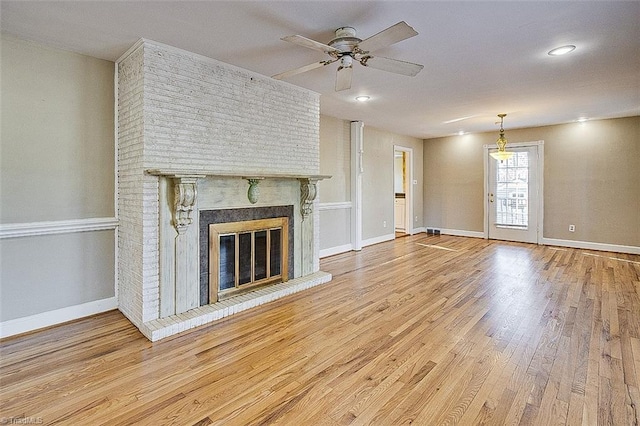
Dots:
pixel 179 111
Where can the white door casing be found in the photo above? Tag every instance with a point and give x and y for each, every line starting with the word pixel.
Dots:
pixel 408 177
pixel 514 194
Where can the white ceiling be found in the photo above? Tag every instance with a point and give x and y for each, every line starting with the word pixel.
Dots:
pixel 480 58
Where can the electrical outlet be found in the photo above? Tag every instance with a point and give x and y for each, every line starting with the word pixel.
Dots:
pixel 384 223
pixel 416 219
pixel 572 228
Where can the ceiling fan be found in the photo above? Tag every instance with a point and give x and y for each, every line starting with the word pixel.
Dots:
pixel 346 48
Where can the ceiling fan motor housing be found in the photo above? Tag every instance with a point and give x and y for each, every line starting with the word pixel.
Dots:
pixel 347 48
pixel 345 40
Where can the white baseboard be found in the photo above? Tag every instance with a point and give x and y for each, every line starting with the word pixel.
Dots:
pixel 380 239
pixel 46 319
pixel 616 248
pixel 422 229
pixel 335 250
pixel 462 233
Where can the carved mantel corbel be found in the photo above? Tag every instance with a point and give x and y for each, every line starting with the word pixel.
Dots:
pixel 186 192
pixel 308 193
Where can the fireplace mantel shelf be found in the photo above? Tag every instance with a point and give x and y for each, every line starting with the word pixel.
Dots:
pixel 177 173
pixel 186 191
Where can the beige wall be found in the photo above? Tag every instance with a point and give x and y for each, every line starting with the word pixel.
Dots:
pixel 57 134
pixel 379 191
pixel 453 182
pixel 591 179
pixel 56 164
pixel 335 160
pixel 378 180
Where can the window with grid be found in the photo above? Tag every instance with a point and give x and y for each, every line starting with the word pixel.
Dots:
pixel 512 191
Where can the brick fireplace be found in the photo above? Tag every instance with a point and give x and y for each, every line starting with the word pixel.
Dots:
pixel 197 136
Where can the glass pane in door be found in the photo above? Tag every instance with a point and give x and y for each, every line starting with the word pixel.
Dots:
pixel 512 191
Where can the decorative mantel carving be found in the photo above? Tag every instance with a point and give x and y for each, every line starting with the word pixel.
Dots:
pixel 186 191
pixel 253 192
pixel 308 192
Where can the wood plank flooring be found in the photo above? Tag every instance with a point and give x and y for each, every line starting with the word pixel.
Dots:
pixel 423 330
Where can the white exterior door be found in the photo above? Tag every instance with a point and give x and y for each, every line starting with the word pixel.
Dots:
pixel 513 196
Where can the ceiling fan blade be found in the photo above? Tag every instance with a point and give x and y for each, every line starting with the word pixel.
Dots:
pixel 343 78
pixel 303 69
pixel 393 34
pixel 391 65
pixel 311 44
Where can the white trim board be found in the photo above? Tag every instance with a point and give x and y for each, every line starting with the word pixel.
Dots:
pixel 409 205
pixel 334 206
pixel 616 248
pixel 16 230
pixel 357 170
pixel 462 233
pixel 335 250
pixel 586 245
pixel 377 240
pixel 455 232
pixel 58 316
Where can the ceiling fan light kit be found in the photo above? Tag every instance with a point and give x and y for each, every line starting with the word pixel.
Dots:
pixel 347 47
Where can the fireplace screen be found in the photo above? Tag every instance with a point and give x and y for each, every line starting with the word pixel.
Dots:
pixel 247 254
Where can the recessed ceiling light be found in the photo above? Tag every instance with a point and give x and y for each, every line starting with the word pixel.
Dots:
pixel 461 132
pixel 582 119
pixel 362 98
pixel 562 50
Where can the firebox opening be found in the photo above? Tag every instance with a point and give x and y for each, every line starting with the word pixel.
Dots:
pixel 247 254
pixel 241 214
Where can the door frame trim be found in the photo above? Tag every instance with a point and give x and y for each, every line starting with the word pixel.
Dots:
pixel 408 213
pixel 540 171
pixel 357 170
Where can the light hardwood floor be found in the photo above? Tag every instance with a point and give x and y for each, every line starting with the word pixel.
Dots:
pixel 422 330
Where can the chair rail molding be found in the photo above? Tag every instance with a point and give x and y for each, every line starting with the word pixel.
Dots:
pixel 335 206
pixel 29 229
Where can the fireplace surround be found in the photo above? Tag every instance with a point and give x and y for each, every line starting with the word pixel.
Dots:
pixel 241 215
pixel 196 135
pixel 246 255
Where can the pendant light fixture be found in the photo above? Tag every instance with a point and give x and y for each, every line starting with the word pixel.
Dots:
pixel 501 154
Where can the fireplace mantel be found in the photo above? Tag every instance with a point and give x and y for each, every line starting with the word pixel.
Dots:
pixel 186 189
pixel 181 173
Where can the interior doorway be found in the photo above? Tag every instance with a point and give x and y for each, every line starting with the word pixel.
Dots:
pixel 403 190
pixel 513 208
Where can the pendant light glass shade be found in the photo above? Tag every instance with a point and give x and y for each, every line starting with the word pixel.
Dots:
pixel 501 154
